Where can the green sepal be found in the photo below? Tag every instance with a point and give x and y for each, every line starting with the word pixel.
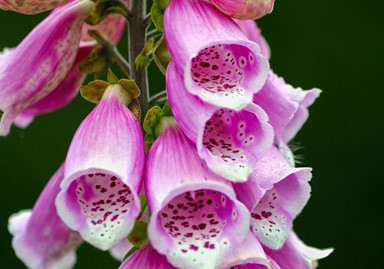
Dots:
pixel 157 15
pixel 151 119
pixel 142 61
pixel 161 55
pixel 97 61
pixel 94 90
pixel 163 4
pixel 149 140
pixel 103 8
pixel 111 77
pixel 138 236
pixel 131 86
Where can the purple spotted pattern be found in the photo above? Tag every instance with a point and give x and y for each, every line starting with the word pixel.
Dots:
pixel 105 202
pixel 231 142
pixel 196 220
pixel 221 69
pixel 226 135
pixel 219 63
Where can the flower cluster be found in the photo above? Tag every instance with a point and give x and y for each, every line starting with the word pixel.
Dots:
pixel 218 186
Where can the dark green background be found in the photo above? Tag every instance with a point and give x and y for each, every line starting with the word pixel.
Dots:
pixel 334 45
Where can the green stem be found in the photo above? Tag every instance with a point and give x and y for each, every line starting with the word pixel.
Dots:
pixel 136 41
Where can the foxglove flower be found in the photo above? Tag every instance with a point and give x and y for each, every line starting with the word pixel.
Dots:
pixel 249 27
pixel 40 239
pixel 244 9
pixel 103 172
pixel 275 194
pixel 146 258
pixel 30 6
pixel 230 142
pixel 195 216
pixel 219 64
pixel 287 107
pixel 249 254
pixel 38 65
pixel 296 255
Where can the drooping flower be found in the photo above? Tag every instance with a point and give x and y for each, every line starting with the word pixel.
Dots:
pixel 195 216
pixel 146 258
pixel 40 239
pixel 275 194
pixel 248 254
pixel 231 142
pixel 103 172
pixel 218 62
pixel 68 89
pixel 249 27
pixel 41 61
pixel 244 9
pixel 296 255
pixel 287 107
pixel 30 6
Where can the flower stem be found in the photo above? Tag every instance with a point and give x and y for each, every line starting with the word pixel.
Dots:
pixel 136 41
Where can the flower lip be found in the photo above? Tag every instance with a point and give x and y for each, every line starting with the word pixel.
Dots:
pixel 211 223
pixel 99 204
pixel 226 73
pixel 235 138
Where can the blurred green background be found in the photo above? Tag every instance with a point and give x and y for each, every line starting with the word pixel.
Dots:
pixel 334 45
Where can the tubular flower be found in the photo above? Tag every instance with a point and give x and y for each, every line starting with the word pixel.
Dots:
pixel 30 6
pixel 48 52
pixel 103 172
pixel 146 258
pixel 296 255
pixel 121 249
pixel 287 107
pixel 195 216
pixel 219 64
pixel 275 194
pixel 244 9
pixel 40 239
pixel 231 142
pixel 68 89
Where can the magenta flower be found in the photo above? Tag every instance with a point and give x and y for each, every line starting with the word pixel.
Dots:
pixel 40 239
pixel 103 172
pixel 296 255
pixel 275 194
pixel 27 75
pixel 244 9
pixel 195 216
pixel 220 65
pixel 30 6
pixel 230 142
pixel 146 258
pixel 287 107
pixel 249 27
pixel 121 249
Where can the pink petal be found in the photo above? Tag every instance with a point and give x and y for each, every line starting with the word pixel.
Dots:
pixel 146 258
pixel 40 238
pixel 196 218
pixel 230 142
pixel 285 191
pixel 220 65
pixel 103 174
pixel 41 61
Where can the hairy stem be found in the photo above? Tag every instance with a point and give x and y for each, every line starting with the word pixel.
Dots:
pixel 137 31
